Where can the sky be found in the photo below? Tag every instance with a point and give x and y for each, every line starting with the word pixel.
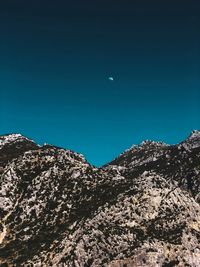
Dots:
pixel 57 59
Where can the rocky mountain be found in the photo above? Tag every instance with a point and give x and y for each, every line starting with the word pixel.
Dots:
pixel 12 146
pixel 178 164
pixel 142 209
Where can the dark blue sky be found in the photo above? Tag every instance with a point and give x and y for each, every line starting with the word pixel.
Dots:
pixel 56 57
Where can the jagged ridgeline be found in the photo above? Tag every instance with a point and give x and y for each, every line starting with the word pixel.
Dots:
pixel 142 209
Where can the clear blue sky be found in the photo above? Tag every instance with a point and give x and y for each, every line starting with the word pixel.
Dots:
pixel 56 58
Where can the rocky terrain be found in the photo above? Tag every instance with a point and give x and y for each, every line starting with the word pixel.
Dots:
pixel 142 209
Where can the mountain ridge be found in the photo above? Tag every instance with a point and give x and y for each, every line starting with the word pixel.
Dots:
pixel 141 209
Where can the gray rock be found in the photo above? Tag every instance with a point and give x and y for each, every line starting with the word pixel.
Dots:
pixel 142 209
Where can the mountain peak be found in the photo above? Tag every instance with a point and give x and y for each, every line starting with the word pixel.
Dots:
pixel 194 134
pixel 151 142
pixel 9 138
pixel 193 141
pixel 12 145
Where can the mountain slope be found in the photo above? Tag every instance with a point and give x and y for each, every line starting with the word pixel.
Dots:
pixel 177 163
pixel 142 209
pixel 12 145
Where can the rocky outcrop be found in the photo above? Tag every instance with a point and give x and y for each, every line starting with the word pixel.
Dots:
pixel 178 164
pixel 12 146
pixel 142 209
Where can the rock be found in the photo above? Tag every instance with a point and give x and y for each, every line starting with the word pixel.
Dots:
pixel 142 209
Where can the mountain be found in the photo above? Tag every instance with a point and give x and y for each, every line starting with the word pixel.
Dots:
pixel 178 164
pixel 141 209
pixel 11 146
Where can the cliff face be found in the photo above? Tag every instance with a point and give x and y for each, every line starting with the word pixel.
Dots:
pixel 142 209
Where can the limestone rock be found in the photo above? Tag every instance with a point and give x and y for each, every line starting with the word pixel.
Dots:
pixel 142 209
